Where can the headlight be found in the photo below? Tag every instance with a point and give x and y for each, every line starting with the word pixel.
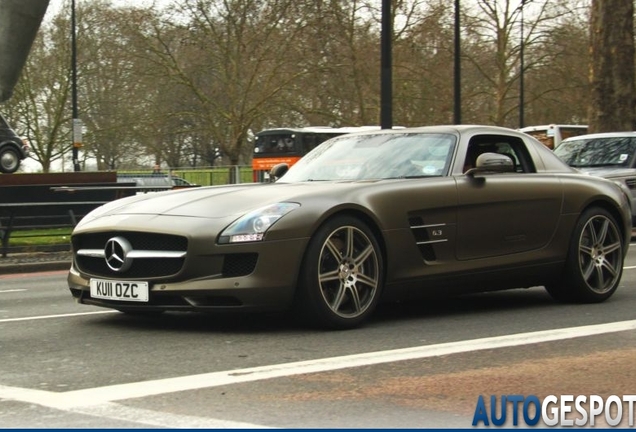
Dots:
pixel 253 226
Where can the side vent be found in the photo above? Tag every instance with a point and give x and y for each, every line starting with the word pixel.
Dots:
pixel 423 235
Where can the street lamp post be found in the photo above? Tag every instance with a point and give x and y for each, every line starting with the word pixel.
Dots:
pixel 77 123
pixel 386 79
pixel 521 71
pixel 457 114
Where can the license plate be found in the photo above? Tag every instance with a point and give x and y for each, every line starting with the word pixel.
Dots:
pixel 131 291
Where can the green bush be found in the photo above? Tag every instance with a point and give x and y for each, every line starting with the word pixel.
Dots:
pixel 40 237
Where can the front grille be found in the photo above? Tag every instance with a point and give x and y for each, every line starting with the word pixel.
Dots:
pixel 146 268
pixel 138 240
pixel 141 268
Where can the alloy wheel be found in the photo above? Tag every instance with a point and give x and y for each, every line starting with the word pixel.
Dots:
pixel 600 254
pixel 349 274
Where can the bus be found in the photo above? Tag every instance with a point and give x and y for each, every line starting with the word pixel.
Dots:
pixel 288 145
pixel 552 135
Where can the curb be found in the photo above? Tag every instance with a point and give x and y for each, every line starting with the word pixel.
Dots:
pixel 34 267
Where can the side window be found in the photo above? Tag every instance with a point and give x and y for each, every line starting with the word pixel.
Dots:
pixel 506 149
pixel 517 148
pixel 509 146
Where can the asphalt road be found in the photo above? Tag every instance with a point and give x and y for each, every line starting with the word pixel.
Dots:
pixel 414 365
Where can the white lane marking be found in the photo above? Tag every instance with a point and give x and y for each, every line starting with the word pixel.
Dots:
pixel 100 395
pixel 12 290
pixel 629 267
pixel 6 320
pixel 99 401
pixel 115 411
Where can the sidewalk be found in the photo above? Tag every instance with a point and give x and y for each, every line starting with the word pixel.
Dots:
pixel 35 262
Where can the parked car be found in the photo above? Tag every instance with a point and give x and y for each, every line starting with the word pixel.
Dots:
pixel 362 218
pixel 178 182
pixel 13 150
pixel 553 134
pixel 153 182
pixel 610 155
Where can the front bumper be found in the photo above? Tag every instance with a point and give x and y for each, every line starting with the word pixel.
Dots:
pixel 269 285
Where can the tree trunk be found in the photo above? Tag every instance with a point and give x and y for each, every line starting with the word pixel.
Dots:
pixel 612 99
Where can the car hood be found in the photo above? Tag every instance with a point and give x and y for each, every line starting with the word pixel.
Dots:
pixel 609 172
pixel 214 201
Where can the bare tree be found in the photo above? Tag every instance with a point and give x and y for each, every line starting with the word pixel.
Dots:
pixel 183 84
pixel 232 58
pixel 494 47
pixel 557 83
pixel 111 97
pixel 613 96
pixel 423 67
pixel 339 46
pixel 40 107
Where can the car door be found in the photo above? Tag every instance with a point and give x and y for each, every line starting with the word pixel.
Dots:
pixel 506 213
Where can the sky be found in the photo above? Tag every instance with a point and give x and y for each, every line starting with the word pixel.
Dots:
pixel 56 5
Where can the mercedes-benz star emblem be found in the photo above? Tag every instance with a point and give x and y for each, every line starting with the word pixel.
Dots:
pixel 116 254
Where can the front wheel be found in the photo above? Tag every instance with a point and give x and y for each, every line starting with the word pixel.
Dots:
pixel 595 260
pixel 341 276
pixel 9 160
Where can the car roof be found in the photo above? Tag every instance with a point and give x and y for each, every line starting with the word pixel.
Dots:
pixel 322 129
pixel 553 125
pixel 454 129
pixel 625 134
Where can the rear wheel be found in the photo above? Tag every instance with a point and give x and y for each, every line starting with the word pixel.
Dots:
pixel 341 276
pixel 595 261
pixel 9 160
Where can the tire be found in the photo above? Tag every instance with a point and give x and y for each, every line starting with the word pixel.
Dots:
pixel 341 276
pixel 9 160
pixel 594 265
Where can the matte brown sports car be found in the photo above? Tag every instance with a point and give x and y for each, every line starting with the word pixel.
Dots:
pixel 363 218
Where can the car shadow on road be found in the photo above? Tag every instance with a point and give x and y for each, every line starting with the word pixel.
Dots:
pixel 197 322
pixel 489 304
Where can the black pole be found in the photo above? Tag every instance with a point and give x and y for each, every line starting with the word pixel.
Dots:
pixel 521 72
pixel 457 115
pixel 386 94
pixel 76 143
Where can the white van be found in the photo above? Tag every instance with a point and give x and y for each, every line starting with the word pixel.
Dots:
pixel 552 135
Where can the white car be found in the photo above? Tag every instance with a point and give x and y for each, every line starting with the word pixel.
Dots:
pixel 611 155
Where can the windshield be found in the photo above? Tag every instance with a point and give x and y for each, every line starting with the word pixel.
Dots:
pixel 598 152
pixel 377 156
pixel 281 143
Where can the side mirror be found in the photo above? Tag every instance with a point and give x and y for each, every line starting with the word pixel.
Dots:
pixel 492 162
pixel 278 171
